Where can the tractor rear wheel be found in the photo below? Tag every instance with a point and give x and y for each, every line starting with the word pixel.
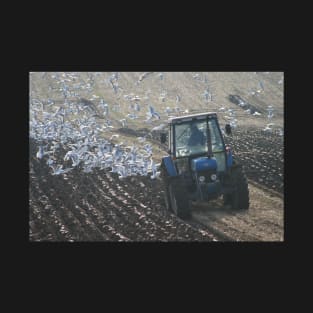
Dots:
pixel 167 199
pixel 239 198
pixel 179 201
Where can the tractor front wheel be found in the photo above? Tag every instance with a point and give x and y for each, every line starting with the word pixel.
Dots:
pixel 179 201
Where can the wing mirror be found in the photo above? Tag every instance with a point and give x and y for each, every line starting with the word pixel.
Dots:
pixel 228 129
pixel 163 137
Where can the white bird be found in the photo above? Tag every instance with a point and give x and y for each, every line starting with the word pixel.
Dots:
pixel 137 107
pixel 152 113
pixel 74 158
pixel 267 128
pixel 123 122
pixel 241 103
pixel 154 167
pixel 57 169
pixel 122 172
pixel 261 85
pixel 141 139
pixel 50 161
pixel 160 127
pixel 132 116
pixel 148 148
pixel 41 153
pixel 168 110
pixel 233 123
pixel 207 95
pixel 87 169
pixel 256 113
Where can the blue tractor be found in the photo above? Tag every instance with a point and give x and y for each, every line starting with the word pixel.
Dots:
pixel 200 167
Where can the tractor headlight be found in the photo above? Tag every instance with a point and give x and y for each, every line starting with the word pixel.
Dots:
pixel 213 177
pixel 201 179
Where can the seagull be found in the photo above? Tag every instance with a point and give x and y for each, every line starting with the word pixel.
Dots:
pixel 148 148
pixel 132 116
pixel 233 123
pixel 124 122
pixel 267 128
pixel 160 127
pixel 122 172
pixel 114 136
pixel 57 169
pixel 261 85
pixel 241 103
pixel 207 95
pixel 231 112
pixel 152 113
pixel 87 169
pixel 50 161
pixel 168 110
pixel 137 107
pixel 270 113
pixel 41 153
pixel 155 173
pixel 256 113
pixel 74 158
pixel 144 75
pixel 141 139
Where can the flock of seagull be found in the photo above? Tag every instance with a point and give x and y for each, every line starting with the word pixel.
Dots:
pixel 76 130
pixel 74 127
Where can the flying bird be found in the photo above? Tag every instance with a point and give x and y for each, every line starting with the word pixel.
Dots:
pixel 152 113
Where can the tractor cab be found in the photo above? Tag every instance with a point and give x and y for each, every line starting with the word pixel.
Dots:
pixel 196 136
pixel 199 166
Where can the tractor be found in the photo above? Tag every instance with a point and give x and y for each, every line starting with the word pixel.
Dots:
pixel 199 166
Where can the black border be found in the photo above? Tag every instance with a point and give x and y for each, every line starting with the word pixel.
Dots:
pixel 220 254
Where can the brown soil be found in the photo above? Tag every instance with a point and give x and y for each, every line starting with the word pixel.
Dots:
pixel 98 206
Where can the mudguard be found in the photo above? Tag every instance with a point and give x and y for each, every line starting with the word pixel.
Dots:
pixel 169 165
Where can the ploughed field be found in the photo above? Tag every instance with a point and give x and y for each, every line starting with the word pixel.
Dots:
pixel 129 109
pixel 262 155
pixel 97 206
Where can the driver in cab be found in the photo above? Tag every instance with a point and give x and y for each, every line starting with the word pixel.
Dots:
pixel 197 137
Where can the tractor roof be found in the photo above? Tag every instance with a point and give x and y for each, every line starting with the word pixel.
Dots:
pixel 186 118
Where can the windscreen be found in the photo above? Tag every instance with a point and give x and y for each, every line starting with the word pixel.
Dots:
pixel 191 138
